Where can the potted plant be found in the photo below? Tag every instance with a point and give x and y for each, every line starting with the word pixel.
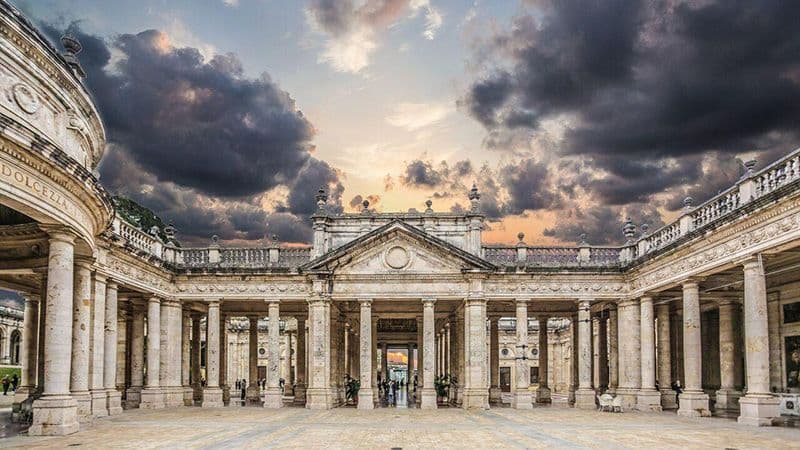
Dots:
pixel 352 385
pixel 442 385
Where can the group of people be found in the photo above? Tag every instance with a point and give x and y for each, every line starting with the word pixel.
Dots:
pixel 241 385
pixel 10 382
pixel 389 387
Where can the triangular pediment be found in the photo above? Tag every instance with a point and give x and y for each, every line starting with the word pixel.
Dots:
pixel 397 247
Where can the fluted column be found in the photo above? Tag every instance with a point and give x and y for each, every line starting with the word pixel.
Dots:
pixel 98 391
pixel 630 352
pixel 668 396
pixel 365 394
pixel 152 395
pixel 29 350
pixel 584 396
pixel 693 401
pixel 759 406
pixel 253 390
pixel 56 412
pixel 613 349
pixel 212 393
pixel 428 336
pixel 272 396
pixel 648 399
pixel 81 321
pixel 494 360
pixel 300 387
pixel 134 392
pixel 522 395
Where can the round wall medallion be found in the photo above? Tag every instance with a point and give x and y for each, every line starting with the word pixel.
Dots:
pixel 25 98
pixel 397 257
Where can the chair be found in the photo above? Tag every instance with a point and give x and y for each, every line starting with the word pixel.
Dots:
pixel 616 404
pixel 605 401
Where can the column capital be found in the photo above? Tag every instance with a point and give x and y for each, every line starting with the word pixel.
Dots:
pixel 751 262
pixel 692 282
pixel 522 301
pixel 270 301
pixel 59 233
pixel 31 297
pixel 154 299
pixel 624 303
pixel 646 299
pixel 100 277
pixel 584 303
pixel 428 302
pixel 112 284
pixel 318 300
pixel 84 262
pixel 365 302
pixel 213 303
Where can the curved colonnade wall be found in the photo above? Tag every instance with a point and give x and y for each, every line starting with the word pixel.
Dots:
pixel 117 318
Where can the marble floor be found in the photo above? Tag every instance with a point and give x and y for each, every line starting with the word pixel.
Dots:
pixel 390 428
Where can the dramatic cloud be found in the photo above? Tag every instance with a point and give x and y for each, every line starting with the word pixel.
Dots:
pixel 356 203
pixel 647 91
pixel 202 144
pixel 602 225
pixel 413 116
pixel 352 27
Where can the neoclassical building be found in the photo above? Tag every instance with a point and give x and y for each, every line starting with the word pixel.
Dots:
pixel 113 313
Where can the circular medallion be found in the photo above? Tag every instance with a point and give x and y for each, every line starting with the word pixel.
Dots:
pixel 397 257
pixel 25 98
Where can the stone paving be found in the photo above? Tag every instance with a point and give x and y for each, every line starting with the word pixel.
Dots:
pixel 411 428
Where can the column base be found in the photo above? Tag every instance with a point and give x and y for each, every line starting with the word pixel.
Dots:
pixel 522 399
pixel 22 393
pixel 212 398
pixel 226 395
pixel 694 404
pixel 474 398
pixel 84 404
pixel 648 400
pixel 727 399
pixel 494 394
pixel 584 399
pixel 133 396
pixel 365 399
pixel 253 395
pixel 273 398
pixel 197 393
pixel 151 398
pixel 300 395
pixel 173 397
pixel 757 409
pixel 629 397
pixel 55 415
pixel 99 403
pixel 188 396
pixel 669 399
pixel 428 399
pixel 543 395
pixel 114 402
pixel 317 398
pixel 288 390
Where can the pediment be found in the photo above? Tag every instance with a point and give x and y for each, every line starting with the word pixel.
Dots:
pixel 398 248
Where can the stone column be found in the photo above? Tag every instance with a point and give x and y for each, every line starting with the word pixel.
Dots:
pixel 186 352
pixel 300 356
pixel 385 361
pixel 197 386
pixel 272 395
pixel 613 350
pixel 152 396
pixel 596 352
pixel 543 393
pixel 420 358
pixel 318 395
pixel 212 394
pixel 98 392
pixel 81 321
pixel 727 395
pixel 29 350
pixel 630 352
pixel 648 399
pixel 693 401
pixel 409 364
pixel 373 357
pixel 475 393
pixel 253 390
pixel 574 350
pixel 494 360
pixel 668 396
pixel 122 349
pixel 447 345
pixel 223 360
pixel 134 392
pixel 759 406
pixel 110 351
pixel 56 412
pixel 603 353
pixel 365 394
pixel 429 353
pixel 522 395
pixel 288 390
pixel 775 351
pixel 459 363
pixel 584 396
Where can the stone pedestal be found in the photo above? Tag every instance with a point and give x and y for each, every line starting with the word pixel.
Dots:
pixel 84 404
pixel 694 404
pixel 54 416
pixel 758 410
pixel 212 398
pixel 151 398
pixel 273 398
pixel 727 399
pixel 133 397
pixel 669 399
pixel 114 402
pixel 494 394
pixel 543 395
pixel 630 397
pixel 99 401
pixel 318 398
pixel 648 400
pixel 474 399
pixel 522 399
pixel 585 399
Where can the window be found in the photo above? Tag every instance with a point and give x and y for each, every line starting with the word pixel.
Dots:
pixel 534 375
pixel 262 351
pixel 15 339
pixel 535 352
pixel 505 352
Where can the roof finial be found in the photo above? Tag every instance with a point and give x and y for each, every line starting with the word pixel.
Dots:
pixel 322 198
pixel 428 204
pixel 474 198
pixel 72 47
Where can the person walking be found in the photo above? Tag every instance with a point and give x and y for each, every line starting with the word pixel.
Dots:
pixel 6 384
pixel 14 382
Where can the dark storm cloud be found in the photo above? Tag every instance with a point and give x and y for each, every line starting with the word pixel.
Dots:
pixel 657 83
pixel 602 225
pixel 422 173
pixel 528 187
pixel 200 143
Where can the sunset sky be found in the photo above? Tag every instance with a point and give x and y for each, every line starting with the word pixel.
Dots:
pixel 225 116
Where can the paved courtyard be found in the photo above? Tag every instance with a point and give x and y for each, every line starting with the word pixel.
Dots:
pixel 411 428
